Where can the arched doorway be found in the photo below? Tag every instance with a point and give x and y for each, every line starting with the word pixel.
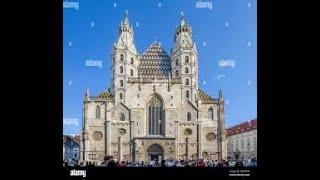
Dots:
pixel 155 152
pixel 205 155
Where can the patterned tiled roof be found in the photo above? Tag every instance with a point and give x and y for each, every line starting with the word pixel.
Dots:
pixel 205 98
pixel 243 127
pixel 154 62
pixel 106 95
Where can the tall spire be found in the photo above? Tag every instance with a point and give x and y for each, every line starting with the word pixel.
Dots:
pixel 126 19
pixel 182 22
pixel 87 94
pixel 220 94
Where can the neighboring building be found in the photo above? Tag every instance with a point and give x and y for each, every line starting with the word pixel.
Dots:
pixel 242 141
pixel 153 106
pixel 71 149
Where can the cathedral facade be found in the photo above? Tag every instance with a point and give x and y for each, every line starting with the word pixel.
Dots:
pixel 153 108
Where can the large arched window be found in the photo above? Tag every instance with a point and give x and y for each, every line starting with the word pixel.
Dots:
pixel 187 94
pixel 189 116
pixel 210 113
pixel 121 83
pixel 155 116
pixel 97 111
pixel 121 69
pixel 131 72
pixel 187 81
pixel 121 57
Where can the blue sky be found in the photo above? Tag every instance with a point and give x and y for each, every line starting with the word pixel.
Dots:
pixel 226 32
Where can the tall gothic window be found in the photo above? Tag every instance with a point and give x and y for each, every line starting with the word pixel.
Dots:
pixel 177 72
pixel 97 111
pixel 210 113
pixel 120 95
pixel 187 70
pixel 131 72
pixel 156 116
pixel 189 116
pixel 121 83
pixel 187 59
pixel 132 61
pixel 187 94
pixel 187 81
pixel 121 57
pixel 121 69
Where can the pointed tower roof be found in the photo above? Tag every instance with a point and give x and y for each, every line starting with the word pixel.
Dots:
pixel 126 35
pixel 126 18
pixel 87 94
pixel 183 27
pixel 125 25
pixel 220 94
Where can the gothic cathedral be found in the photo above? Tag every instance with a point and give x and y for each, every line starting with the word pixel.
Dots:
pixel 153 108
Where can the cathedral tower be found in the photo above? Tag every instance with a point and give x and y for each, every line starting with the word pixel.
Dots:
pixel 184 61
pixel 124 60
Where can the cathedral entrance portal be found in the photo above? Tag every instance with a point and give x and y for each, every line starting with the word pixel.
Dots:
pixel 155 152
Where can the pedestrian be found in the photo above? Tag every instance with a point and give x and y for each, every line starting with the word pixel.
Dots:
pixel 180 163
pixel 201 163
pixel 163 163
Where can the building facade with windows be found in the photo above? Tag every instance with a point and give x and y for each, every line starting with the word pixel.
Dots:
pixel 71 149
pixel 153 108
pixel 242 141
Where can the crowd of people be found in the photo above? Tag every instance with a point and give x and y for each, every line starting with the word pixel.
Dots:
pixel 111 162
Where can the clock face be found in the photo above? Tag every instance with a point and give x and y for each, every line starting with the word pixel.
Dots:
pixel 97 135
